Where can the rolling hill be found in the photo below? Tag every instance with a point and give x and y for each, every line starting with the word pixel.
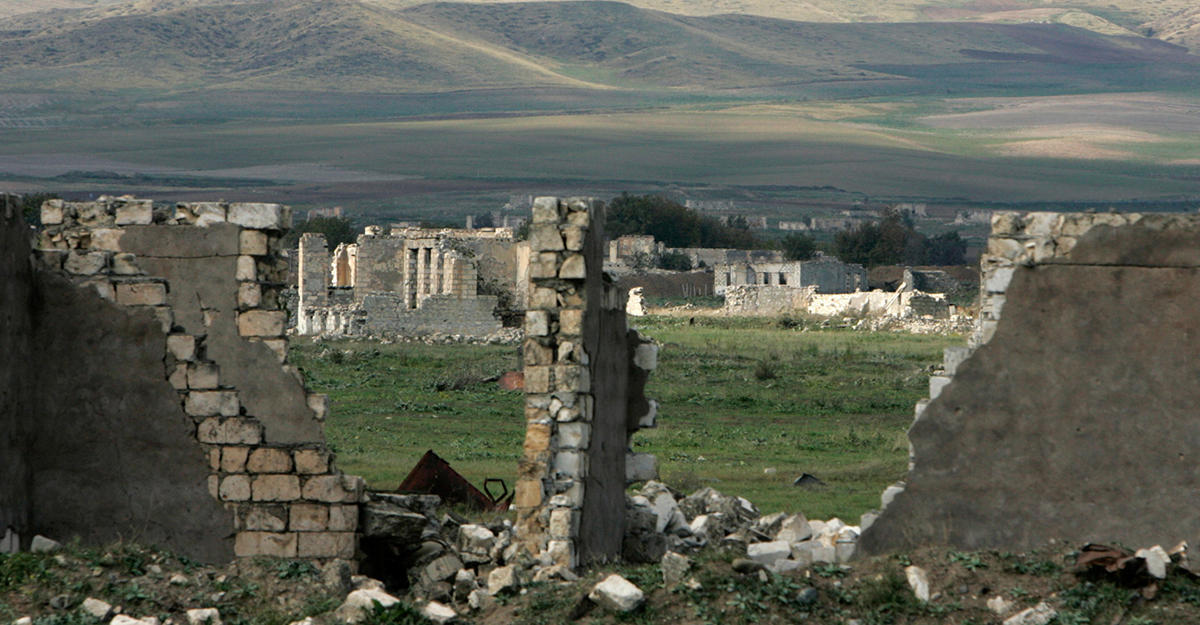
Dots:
pixel 358 46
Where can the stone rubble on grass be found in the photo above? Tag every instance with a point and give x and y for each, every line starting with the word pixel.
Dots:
pixel 918 580
pixel 675 568
pixel 24 620
pixel 1040 614
pixel 360 602
pixel 999 605
pixel 204 616
pixel 617 594
pixel 122 619
pixel 501 579
pixel 100 609
pixel 1156 561
pixel 438 613
pixel 41 544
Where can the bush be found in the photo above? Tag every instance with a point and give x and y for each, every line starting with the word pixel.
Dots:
pixel 675 261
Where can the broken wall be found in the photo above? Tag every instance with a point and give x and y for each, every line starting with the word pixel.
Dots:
pixel 162 390
pixel 16 376
pixel 584 374
pixel 1074 417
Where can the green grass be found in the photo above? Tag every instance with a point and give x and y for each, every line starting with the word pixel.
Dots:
pixel 737 396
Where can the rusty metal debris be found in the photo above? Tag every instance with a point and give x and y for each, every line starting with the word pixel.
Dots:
pixel 434 476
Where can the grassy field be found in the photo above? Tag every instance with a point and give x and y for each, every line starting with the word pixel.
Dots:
pixel 738 398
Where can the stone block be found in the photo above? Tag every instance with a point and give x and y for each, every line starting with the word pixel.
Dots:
pixel 229 432
pixel 570 322
pixel 645 356
pixel 269 460
pixel 649 420
pixel 106 239
pixel 85 263
pixel 534 353
pixel 279 347
pixel 545 237
pixel 575 435
pixel 574 267
pixel 178 377
pixel 235 488
pixel 135 212
pixel 537 323
pixel 214 458
pixel 311 461
pixel 998 281
pixel 269 323
pixel 246 269
pixel 561 553
pixel 182 346
pixel 52 212
pixel 570 494
pixel 269 518
pixel 202 214
pixel 326 545
pixel 617 594
pixel 936 384
pixel 572 378
pixel 327 488
pixel 571 464
pixel 203 376
pixel 545 210
pixel 528 494
pixel 249 295
pixel 343 518
pixel 543 298
pixel 212 403
pixel 214 486
pixel 233 459
pixel 537 379
pixel 308 517
pixel 276 487
pixel 252 242
pixel 141 293
pixel 573 238
pixel 564 523
pixel 260 216
pixel 543 265
pixel 279 545
pixel 537 438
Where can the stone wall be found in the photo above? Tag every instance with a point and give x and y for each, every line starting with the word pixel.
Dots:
pixel 17 379
pixel 1071 413
pixel 781 300
pixel 584 374
pixel 166 411
pixel 825 274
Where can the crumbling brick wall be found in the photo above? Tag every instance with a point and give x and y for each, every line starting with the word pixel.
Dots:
pixel 166 409
pixel 1071 413
pixel 584 374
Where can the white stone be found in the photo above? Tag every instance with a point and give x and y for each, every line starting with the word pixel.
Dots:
pixel 501 579
pixel 824 554
pixel 670 517
pixel 786 565
pixel 360 602
pixel 259 216
pixel 574 435
pixel 479 599
pixel 936 384
pixel 204 616
pixel 438 613
pixel 97 608
pixel 640 467
pixel 649 419
pixel 617 594
pixel 999 280
pixel 41 544
pixel 918 580
pixel 701 525
pixel 999 605
pixel 1156 560
pixel 24 620
pixel 889 494
pixel 1040 614
pixel 122 619
pixel 545 210
pixel 674 567
pixel 794 529
pixel 768 553
pixel 475 539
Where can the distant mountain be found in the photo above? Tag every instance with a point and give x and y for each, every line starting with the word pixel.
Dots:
pixel 361 46
pixel 1182 28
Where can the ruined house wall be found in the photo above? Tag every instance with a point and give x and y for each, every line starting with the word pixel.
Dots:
pixel 824 274
pixel 168 398
pixel 1074 418
pixel 17 382
pixel 766 300
pixel 584 372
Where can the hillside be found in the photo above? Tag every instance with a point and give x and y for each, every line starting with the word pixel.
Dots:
pixel 355 46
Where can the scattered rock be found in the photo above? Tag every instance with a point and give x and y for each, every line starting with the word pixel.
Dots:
pixel 794 529
pixel 308 620
pixel 360 602
pixel 41 544
pixel 999 605
pixel 617 594
pixel 464 583
pixel 918 581
pixel 438 613
pixel 674 568
pixel 808 596
pixel 808 480
pixel 60 602
pixel 121 619
pixel 1040 614
pixel 475 542
pixel 746 566
pixel 1156 560
pixel 97 608
pixel 204 616
pixel 767 554
pixel 501 579
pixel 479 599
pixel 178 579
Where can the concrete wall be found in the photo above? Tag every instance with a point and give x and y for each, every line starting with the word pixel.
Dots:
pixel 1074 418
pixel 165 410
pixel 584 371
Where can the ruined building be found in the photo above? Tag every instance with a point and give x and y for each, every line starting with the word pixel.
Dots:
pixel 1071 412
pixel 411 281
pixel 825 274
pixel 145 390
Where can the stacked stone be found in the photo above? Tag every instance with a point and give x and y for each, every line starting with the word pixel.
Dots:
pixel 287 500
pixel 558 401
pixel 566 288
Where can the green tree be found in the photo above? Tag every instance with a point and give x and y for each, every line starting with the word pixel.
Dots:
pixel 947 249
pixel 675 261
pixel 672 223
pixel 799 246
pixel 890 241
pixel 337 230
